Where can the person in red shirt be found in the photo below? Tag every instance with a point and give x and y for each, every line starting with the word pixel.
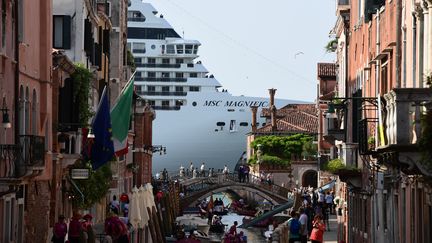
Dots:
pixel 318 229
pixel 59 230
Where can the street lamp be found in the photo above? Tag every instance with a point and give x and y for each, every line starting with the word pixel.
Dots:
pixel 331 113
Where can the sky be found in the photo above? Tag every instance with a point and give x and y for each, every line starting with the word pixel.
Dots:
pixel 253 45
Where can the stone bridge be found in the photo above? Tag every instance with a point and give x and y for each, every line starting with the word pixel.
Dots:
pixel 201 188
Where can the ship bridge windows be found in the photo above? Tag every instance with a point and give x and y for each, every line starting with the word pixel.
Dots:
pixel 195 50
pixel 151 33
pixel 135 16
pixel 170 49
pixel 138 47
pixel 194 88
pixel 188 49
pixel 179 49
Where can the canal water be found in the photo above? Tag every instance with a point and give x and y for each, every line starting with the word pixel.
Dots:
pixel 253 234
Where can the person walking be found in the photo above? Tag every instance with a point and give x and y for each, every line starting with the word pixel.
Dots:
pixel 60 230
pixel 202 170
pixel 303 226
pixel 317 235
pixel 293 227
pixel 329 202
pixel 246 173
pixel 75 229
pixel 191 168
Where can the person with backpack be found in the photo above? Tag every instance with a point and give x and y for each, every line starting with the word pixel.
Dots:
pixel 294 227
pixel 303 219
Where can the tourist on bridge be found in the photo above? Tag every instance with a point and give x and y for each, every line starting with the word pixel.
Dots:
pixel 182 171
pixel 202 169
pixel 241 173
pixel 194 174
pixel 191 167
pixel 246 173
pixel 318 229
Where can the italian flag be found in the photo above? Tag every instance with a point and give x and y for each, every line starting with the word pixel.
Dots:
pixel 120 118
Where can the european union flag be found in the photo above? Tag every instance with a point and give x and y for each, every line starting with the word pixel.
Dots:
pixel 102 149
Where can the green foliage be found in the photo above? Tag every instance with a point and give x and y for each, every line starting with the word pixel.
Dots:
pixel 130 60
pixel 82 78
pixel 94 188
pixel 334 165
pixel 273 160
pixel 283 147
pixel 331 45
pixel 425 142
pixel 371 140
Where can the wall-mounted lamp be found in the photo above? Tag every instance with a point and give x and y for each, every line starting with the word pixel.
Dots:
pixel 90 134
pixel 5 121
pixel 331 113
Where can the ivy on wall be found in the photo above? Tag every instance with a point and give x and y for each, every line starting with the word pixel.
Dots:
pixel 82 78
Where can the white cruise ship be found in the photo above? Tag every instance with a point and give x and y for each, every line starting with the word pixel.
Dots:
pixel 196 119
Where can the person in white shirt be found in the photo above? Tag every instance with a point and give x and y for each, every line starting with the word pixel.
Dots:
pixel 329 201
pixel 202 169
pixel 321 198
pixel 303 226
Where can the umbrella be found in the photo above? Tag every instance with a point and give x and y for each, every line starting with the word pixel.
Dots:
pixel 143 207
pixel 134 211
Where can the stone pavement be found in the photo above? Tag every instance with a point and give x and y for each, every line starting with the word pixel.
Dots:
pixel 331 236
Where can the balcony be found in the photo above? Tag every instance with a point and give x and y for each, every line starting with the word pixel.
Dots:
pixel 158 65
pixel 167 108
pixel 403 129
pixel 182 80
pixel 33 150
pixel 9 161
pixel 162 93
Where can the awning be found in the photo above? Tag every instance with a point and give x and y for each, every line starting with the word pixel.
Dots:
pixel 327 186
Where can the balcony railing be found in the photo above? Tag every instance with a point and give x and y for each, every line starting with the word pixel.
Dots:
pixel 161 79
pixel 167 108
pixel 404 107
pixel 9 160
pixel 158 65
pixel 163 93
pixel 366 145
pixel 33 150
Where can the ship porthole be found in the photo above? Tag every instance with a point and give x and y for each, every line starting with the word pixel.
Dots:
pixel 194 103
pixel 153 47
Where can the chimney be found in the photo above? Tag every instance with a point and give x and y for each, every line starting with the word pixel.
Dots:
pixel 273 109
pixel 254 118
pixel 272 95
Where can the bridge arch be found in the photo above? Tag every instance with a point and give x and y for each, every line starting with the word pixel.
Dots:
pixel 238 188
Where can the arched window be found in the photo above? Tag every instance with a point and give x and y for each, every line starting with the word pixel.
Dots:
pixel 34 108
pixel 21 120
pixel 27 112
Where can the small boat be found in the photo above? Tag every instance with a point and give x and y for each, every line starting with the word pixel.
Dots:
pixel 245 212
pixel 217 228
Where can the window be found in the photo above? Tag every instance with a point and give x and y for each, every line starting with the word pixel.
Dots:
pixel 165 88
pixel 384 76
pixel 195 51
pixel 135 16
pixel 179 49
pixel 165 75
pixel 151 74
pixel 151 88
pixel 165 60
pixel 179 75
pixel 137 60
pixel 194 88
pixel 151 102
pixel 244 124
pixel 179 102
pixel 179 61
pixel 139 47
pixel 139 74
pixel 165 103
pixel 233 127
pixel 151 60
pixel 188 49
pixel 129 46
pixel 62 32
pixel 179 88
pixel 193 75
pixel 170 49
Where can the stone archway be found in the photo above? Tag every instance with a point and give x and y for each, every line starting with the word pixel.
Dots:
pixel 310 178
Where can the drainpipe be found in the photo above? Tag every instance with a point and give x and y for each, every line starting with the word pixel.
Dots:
pixel 429 38
pixel 414 48
pixel 398 42
pixel 404 51
pixel 420 47
pixel 16 86
pixel 254 118
pixel 425 42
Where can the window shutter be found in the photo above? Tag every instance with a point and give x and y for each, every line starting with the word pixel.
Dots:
pixel 106 42
pixel 66 32
pixel 88 40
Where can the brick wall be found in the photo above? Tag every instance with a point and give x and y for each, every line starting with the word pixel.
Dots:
pixel 37 212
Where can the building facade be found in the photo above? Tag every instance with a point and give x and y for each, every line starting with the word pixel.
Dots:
pixel 383 58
